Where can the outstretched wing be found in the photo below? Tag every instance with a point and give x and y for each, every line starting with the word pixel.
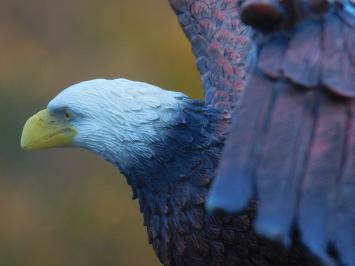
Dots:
pixel 292 144
pixel 221 45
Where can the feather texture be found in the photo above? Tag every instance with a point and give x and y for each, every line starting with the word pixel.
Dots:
pixel 298 160
pixel 221 45
pixel 172 201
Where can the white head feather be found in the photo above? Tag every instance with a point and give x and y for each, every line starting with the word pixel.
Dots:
pixel 118 119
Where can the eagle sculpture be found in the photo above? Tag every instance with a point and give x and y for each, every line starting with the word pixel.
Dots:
pixel 169 146
pixel 292 144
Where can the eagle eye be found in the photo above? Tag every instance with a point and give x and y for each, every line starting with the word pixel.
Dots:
pixel 68 115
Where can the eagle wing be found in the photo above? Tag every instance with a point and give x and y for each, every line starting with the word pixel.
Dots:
pixel 292 143
pixel 221 45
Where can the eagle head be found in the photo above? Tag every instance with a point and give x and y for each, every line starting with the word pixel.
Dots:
pixel 117 119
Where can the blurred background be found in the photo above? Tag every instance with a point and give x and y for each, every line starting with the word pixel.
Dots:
pixel 66 206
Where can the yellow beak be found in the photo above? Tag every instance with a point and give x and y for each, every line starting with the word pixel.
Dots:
pixel 44 130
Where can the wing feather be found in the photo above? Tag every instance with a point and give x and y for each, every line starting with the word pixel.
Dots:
pixel 321 173
pixel 239 156
pixel 338 68
pixel 283 155
pixel 293 147
pixel 221 45
pixel 343 213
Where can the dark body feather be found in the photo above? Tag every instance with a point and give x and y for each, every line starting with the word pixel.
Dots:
pixel 292 142
pixel 172 186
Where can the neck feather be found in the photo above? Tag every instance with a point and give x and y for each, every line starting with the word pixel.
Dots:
pixel 172 185
pixel 182 162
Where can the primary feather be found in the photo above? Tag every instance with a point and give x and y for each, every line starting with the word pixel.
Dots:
pixel 292 143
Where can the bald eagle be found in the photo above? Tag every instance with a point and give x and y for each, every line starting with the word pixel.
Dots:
pixel 168 146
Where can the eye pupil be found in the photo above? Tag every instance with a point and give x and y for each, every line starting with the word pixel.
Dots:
pixel 67 115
